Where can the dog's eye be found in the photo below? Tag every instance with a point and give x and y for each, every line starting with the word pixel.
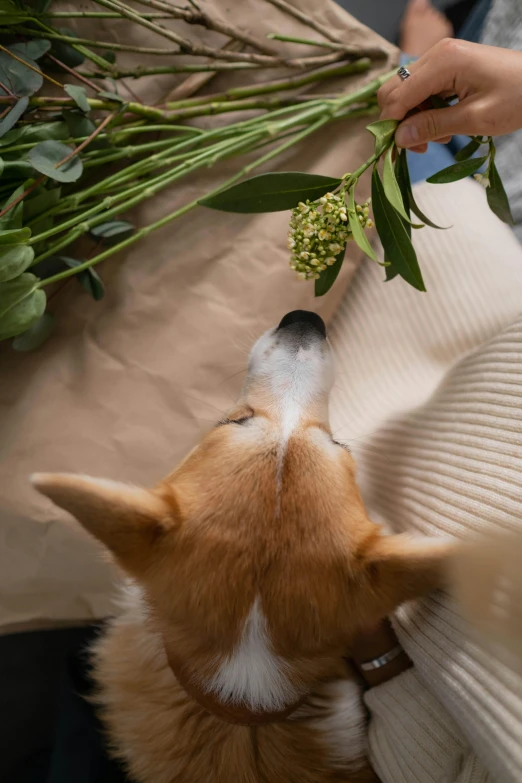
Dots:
pixel 342 445
pixel 241 420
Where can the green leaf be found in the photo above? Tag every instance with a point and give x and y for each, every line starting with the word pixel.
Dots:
pixel 88 278
pixel 10 13
pixel 45 155
pixel 467 151
pixel 273 192
pixel 329 276
pixel 403 180
pixel 497 196
pixel 17 169
pixel 390 270
pixel 111 96
pixel 384 131
pixel 64 51
pixel 405 173
pixel 31 49
pixel 22 303
pixel 14 259
pixel 111 229
pixel 357 230
pixel 41 202
pixel 391 186
pixel 36 335
pixel 20 79
pixel 396 243
pixel 14 236
pixel 79 96
pixel 78 124
pixel 13 218
pixel 464 168
pixel 40 131
pixel 14 115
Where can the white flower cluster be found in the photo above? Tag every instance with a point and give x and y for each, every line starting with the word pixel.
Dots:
pixel 319 230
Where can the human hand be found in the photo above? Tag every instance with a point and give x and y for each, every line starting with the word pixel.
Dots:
pixel 486 79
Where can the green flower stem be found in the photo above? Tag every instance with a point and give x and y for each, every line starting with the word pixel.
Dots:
pixel 359 66
pixel 183 210
pixel 138 194
pixel 137 73
pixel 95 103
pixel 97 15
pixel 291 39
pixel 76 44
pixel 111 136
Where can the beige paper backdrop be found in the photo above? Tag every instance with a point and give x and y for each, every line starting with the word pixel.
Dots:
pixel 125 387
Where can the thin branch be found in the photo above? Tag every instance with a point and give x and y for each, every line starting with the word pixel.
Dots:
pixel 74 73
pixel 31 67
pixel 199 17
pixel 196 81
pixel 140 71
pixel 17 200
pixel 97 15
pixel 87 141
pixel 278 85
pixel 7 91
pixel 306 41
pixel 305 19
pixel 46 103
pixel 185 44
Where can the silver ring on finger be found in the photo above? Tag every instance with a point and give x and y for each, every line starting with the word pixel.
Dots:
pixel 403 73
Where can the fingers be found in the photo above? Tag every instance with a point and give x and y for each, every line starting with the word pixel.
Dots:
pixel 433 125
pixel 432 74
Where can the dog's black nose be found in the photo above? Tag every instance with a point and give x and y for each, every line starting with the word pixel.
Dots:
pixel 304 317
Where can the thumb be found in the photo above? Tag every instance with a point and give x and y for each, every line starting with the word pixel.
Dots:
pixel 431 125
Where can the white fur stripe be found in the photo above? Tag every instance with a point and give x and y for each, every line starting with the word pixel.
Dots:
pixel 253 675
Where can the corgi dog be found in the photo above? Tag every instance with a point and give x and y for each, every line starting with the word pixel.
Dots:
pixel 250 570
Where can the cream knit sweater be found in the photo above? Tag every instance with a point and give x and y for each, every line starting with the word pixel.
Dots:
pixel 428 398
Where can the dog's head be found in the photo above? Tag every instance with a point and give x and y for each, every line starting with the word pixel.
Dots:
pixel 256 555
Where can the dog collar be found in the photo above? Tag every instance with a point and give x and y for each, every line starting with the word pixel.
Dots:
pixel 241 716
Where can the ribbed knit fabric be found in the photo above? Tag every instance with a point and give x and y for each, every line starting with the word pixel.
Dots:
pixel 428 398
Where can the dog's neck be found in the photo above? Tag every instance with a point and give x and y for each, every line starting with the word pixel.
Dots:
pixel 230 713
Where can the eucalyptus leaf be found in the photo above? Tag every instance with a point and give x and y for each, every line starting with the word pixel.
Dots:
pixel 13 218
pixel 14 115
pixel 79 96
pixel 36 335
pixel 88 278
pixel 14 236
pixel 31 49
pixel 20 79
pixel 271 192
pixel 464 168
pixel 329 275
pixel 17 169
pixel 22 303
pixel 41 202
pixel 41 131
pixel 384 131
pixel 64 51
pixel 467 151
pixel 10 13
pixel 112 229
pixel 45 155
pixel 357 230
pixel 14 259
pixel 111 96
pixel 497 196
pixel 397 245
pixel 78 124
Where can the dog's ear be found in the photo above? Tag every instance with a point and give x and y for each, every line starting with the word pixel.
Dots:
pixel 128 520
pixel 398 568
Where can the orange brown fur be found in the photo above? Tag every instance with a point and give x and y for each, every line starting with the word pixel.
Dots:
pixel 262 516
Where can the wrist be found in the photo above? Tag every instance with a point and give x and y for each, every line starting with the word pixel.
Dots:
pixel 378 656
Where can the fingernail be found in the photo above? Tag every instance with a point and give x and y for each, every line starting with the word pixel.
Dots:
pixel 407 135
